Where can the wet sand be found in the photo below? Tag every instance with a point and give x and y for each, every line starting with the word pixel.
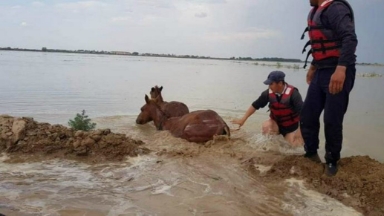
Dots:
pixel 359 182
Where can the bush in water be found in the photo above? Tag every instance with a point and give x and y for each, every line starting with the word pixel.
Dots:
pixel 81 122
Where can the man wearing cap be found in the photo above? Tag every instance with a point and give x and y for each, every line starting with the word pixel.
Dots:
pixel 285 105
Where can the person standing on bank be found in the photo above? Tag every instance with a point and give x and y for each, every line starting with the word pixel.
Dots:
pixel 285 104
pixel 331 77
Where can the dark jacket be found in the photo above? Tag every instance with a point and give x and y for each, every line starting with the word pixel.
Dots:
pixel 338 17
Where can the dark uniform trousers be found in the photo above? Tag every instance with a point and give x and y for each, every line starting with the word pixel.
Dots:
pixel 335 106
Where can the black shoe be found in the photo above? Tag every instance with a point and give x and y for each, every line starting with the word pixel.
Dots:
pixel 313 157
pixel 331 169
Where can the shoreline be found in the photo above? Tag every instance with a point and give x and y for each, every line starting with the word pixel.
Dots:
pixel 121 53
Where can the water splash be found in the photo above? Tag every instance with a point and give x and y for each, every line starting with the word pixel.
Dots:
pixel 274 143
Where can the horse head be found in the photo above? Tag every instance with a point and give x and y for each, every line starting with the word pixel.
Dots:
pixel 156 93
pixel 151 111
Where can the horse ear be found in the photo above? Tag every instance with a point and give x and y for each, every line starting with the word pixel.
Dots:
pixel 161 88
pixel 146 99
pixel 152 89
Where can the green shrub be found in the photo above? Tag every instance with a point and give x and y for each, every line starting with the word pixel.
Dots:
pixel 278 65
pixel 81 122
pixel 373 74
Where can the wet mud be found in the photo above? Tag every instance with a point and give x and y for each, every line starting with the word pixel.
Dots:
pixel 359 182
pixel 25 139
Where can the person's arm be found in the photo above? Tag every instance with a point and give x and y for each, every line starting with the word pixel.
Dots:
pixel 339 18
pixel 261 102
pixel 311 73
pixel 248 113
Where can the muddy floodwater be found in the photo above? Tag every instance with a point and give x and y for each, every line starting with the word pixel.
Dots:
pixel 128 169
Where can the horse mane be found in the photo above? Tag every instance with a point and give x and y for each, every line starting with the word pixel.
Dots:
pixel 154 101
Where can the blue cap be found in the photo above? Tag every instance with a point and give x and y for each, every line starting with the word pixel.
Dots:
pixel 274 76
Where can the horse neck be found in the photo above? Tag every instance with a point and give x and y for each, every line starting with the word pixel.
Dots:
pixel 160 118
pixel 160 99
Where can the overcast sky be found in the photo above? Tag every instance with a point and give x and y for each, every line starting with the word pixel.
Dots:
pixel 216 28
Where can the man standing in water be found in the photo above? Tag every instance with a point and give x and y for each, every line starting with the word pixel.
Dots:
pixel 331 77
pixel 285 104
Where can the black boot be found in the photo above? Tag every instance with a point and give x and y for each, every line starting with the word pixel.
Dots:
pixel 313 157
pixel 331 169
pixel 330 164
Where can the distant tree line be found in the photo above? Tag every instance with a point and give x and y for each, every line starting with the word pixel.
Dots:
pixel 274 59
pixel 45 49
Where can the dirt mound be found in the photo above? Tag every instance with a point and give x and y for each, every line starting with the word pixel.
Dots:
pixel 27 138
pixel 359 182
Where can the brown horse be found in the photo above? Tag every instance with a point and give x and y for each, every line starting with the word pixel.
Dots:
pixel 196 126
pixel 171 109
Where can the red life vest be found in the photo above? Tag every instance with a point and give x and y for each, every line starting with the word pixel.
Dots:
pixel 281 111
pixel 323 41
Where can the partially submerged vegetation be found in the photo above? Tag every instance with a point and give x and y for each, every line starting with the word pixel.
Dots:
pixel 369 75
pixel 370 64
pixel 81 122
pixel 279 65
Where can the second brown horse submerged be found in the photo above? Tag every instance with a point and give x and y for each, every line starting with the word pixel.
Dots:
pixel 196 126
pixel 170 109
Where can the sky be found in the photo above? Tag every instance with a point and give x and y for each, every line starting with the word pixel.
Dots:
pixel 216 28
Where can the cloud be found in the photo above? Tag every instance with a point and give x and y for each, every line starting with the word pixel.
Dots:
pixel 156 3
pixel 201 15
pixel 248 35
pixel 187 12
pixel 204 27
pixel 120 19
pixel 37 4
pixel 208 1
pixel 80 5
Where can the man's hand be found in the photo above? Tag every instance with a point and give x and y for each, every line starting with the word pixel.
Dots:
pixel 311 73
pixel 240 122
pixel 337 80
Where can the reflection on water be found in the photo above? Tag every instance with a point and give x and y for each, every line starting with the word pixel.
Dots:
pixel 178 178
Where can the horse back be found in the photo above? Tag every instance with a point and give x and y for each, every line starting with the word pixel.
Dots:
pixel 174 109
pixel 199 126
